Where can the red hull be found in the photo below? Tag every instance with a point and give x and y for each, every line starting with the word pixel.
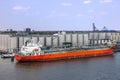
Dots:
pixel 66 55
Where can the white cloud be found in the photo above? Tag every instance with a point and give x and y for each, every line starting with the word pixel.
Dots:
pixel 90 11
pixel 91 17
pixel 52 13
pixel 105 1
pixel 80 15
pixel 64 14
pixel 87 1
pixel 66 4
pixel 103 13
pixel 21 7
pixel 56 14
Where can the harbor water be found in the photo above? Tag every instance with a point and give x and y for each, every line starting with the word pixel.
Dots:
pixel 94 68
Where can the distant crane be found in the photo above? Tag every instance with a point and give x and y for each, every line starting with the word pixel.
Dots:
pixel 104 29
pixel 94 27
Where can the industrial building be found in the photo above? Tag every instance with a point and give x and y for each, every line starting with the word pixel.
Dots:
pixel 8 42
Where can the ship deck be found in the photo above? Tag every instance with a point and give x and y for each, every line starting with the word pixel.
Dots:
pixel 68 49
pixel 54 50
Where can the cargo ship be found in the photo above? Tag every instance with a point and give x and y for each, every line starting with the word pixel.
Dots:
pixel 35 52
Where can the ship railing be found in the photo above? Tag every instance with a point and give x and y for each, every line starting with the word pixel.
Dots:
pixel 16 50
pixel 61 49
pixel 94 47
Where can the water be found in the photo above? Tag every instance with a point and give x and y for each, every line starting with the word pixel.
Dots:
pixel 97 68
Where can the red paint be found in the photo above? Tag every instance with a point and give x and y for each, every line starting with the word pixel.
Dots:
pixel 66 55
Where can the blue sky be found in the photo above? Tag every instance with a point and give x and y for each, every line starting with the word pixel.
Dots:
pixel 44 15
